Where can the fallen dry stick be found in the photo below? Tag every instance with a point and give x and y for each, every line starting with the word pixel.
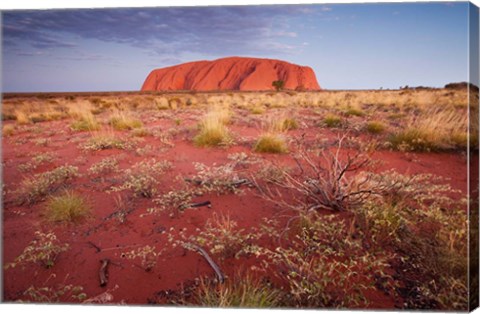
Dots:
pixel 103 272
pixel 194 205
pixel 218 272
pixel 238 183
pixel 96 247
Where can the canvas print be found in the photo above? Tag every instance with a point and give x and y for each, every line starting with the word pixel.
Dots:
pixel 297 156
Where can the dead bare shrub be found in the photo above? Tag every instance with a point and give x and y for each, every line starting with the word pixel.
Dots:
pixel 321 181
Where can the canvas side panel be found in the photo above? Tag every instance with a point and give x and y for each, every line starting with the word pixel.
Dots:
pixel 473 154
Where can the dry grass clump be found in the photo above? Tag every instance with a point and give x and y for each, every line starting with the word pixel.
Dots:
pixel 278 124
pixel 213 130
pixel 67 207
pixel 84 119
pixel 120 120
pixel 87 123
pixel 47 115
pixel 141 132
pixel 272 140
pixel 6 116
pixel 257 110
pixel 413 139
pixel 332 121
pixel 97 111
pixel 22 117
pixel 8 130
pixel 433 130
pixel 240 291
pixel 175 102
pixel 161 103
pixel 375 127
pixel 289 124
pixel 352 111
pixel 271 143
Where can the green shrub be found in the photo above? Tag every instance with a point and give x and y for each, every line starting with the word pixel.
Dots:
pixel 279 85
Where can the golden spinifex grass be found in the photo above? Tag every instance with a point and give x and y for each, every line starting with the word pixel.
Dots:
pixel 271 143
pixel 67 207
pixel 272 140
pixel 332 121
pixel 433 129
pixel 8 130
pixel 213 129
pixel 84 120
pixel 375 127
pixel 243 290
pixel 21 117
pixel 121 120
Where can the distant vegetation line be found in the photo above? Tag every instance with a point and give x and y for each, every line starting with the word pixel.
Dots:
pixel 6 95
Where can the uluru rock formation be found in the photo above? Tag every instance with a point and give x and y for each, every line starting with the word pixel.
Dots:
pixel 234 73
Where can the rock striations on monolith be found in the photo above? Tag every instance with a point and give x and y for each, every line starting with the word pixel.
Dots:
pixel 233 73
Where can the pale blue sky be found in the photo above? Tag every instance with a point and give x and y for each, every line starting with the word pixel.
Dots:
pixel 349 46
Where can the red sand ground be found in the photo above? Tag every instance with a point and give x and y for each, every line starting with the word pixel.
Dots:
pixel 80 265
